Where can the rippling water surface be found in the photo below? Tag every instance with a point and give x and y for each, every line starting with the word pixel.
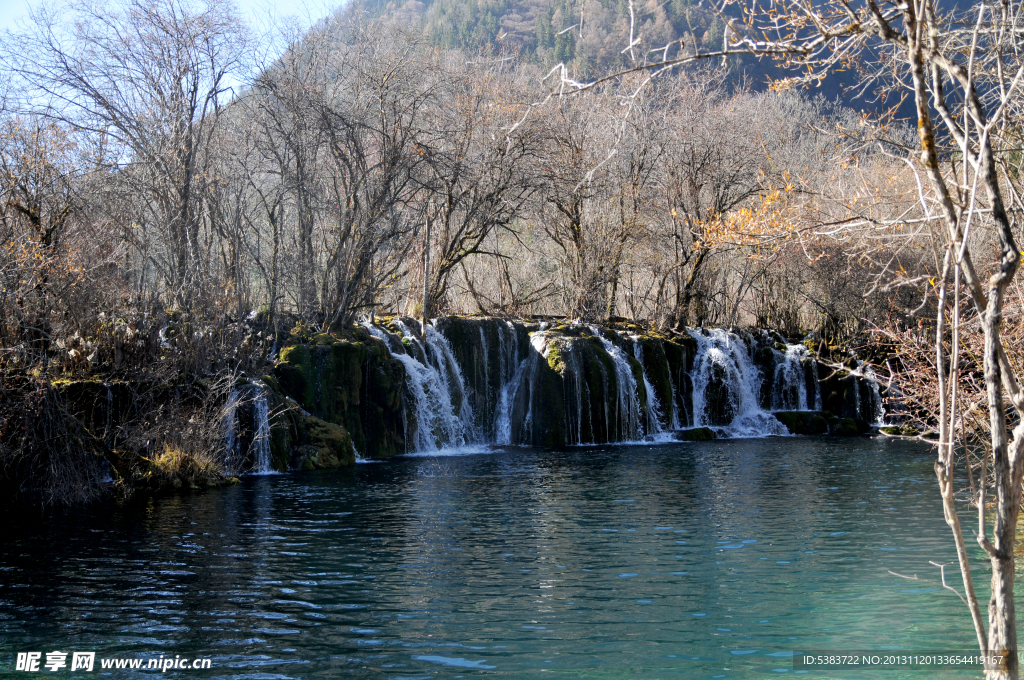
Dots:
pixel 709 560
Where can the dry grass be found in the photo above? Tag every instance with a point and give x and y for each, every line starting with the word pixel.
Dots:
pixel 177 469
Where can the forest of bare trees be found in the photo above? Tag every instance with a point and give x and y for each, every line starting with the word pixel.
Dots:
pixel 156 166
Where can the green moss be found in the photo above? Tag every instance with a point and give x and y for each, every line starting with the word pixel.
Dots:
pixel 355 384
pixel 281 438
pixel 293 372
pixel 331 444
pixel 554 357
pixel 803 422
pixel 695 434
pixel 301 333
pixel 816 424
pixel 847 427
pixel 792 421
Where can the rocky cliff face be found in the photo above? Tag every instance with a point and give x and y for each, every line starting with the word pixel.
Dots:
pixel 382 390
pixel 395 387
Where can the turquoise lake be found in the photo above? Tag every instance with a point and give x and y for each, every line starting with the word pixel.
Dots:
pixel 686 560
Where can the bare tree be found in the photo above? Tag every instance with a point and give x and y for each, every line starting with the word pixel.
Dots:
pixel 284 104
pixel 149 78
pixel 964 72
pixel 598 193
pixel 477 178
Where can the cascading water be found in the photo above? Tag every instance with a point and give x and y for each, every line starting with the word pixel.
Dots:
pixel 652 414
pixel 261 437
pixel 524 390
pixel 725 382
pixel 877 409
pixel 577 396
pixel 789 386
pixel 507 399
pixel 439 354
pixel 436 424
pixel 626 408
pixel 261 454
pixel 510 375
pixel 474 381
pixel 817 385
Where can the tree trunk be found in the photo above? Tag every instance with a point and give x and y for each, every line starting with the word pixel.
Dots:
pixel 426 277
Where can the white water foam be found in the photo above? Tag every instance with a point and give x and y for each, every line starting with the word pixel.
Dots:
pixel 262 464
pixel 727 354
pixel 789 388
pixel 653 411
pixel 436 425
pixel 627 402
pixel 440 418
pixel 466 450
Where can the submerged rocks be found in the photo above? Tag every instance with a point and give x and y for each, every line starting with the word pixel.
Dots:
pixel 803 422
pixel 695 434
pixel 822 422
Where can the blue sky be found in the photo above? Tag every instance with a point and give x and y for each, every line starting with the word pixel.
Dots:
pixel 255 10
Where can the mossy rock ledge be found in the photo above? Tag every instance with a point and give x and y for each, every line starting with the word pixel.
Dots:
pixel 352 383
pixel 695 434
pixel 822 422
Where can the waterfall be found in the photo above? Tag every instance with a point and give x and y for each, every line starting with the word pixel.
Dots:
pixel 789 386
pixel 816 381
pixel 577 396
pixel 877 415
pixel 360 458
pixel 230 433
pixel 652 413
pixel 675 424
pixel 537 342
pixel 441 356
pixel 490 381
pixel 627 400
pixel 507 399
pixel 436 424
pixel 856 392
pixel 261 437
pixel 725 385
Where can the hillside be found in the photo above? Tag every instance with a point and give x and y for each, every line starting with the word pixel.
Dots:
pixel 587 35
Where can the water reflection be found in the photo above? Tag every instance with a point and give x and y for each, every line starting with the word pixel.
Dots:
pixel 685 560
